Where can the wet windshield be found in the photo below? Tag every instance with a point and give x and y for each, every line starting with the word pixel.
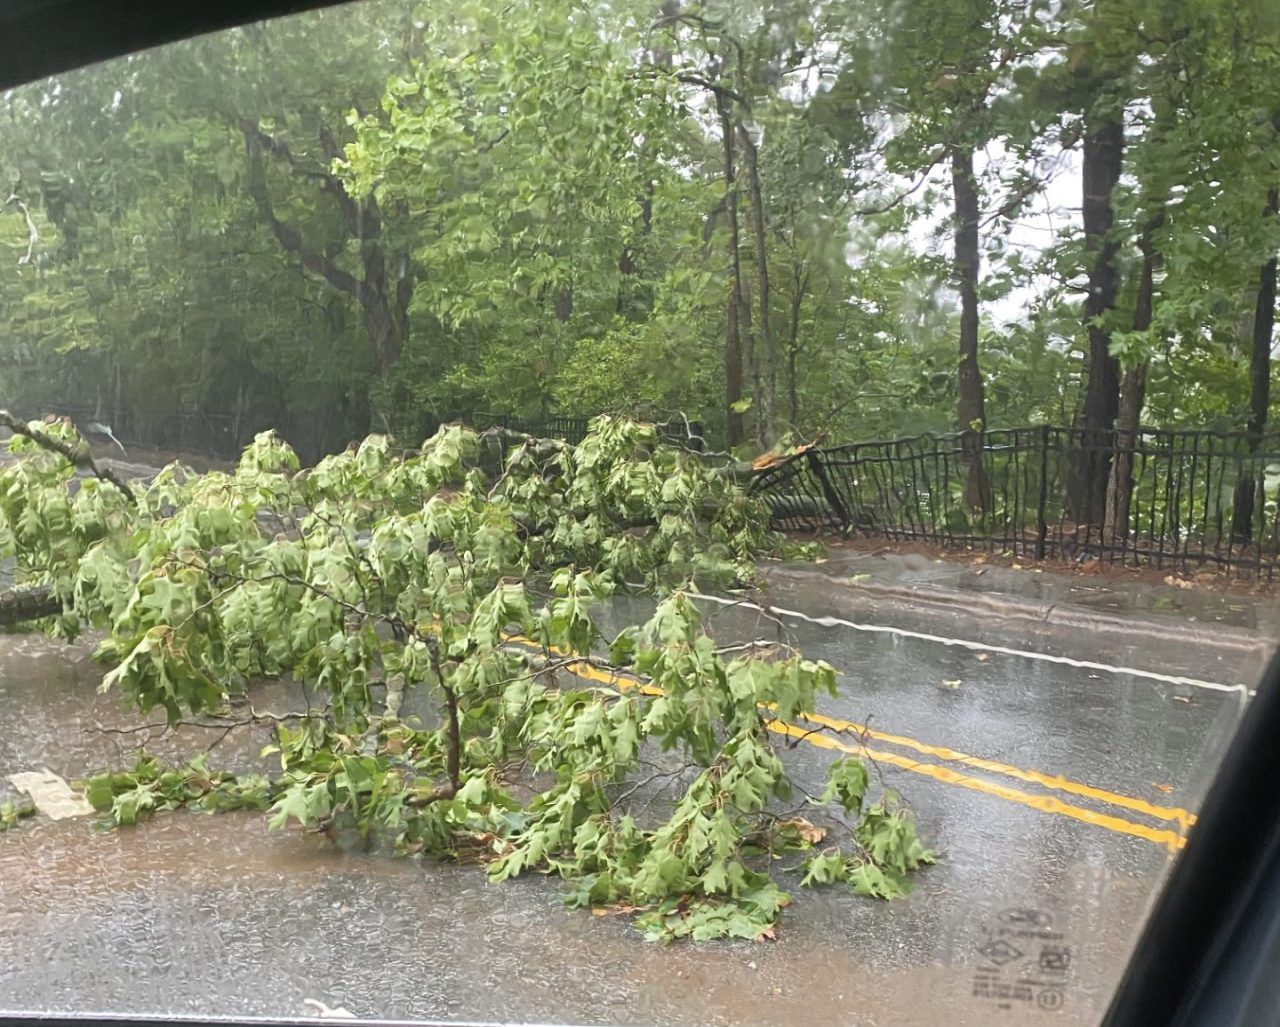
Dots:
pixel 630 513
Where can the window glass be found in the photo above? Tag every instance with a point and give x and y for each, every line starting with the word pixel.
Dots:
pixel 630 512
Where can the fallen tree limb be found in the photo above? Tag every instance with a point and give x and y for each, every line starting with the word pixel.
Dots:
pixel 18 605
pixel 76 455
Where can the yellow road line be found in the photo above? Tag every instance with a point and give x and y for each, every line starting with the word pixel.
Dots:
pixel 1172 840
pixel 1056 782
pixel 1162 836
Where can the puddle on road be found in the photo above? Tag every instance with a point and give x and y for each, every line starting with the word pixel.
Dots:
pixel 51 715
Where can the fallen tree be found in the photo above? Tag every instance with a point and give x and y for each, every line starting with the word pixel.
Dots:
pixel 380 575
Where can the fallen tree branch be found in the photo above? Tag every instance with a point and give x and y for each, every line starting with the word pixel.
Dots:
pixel 18 605
pixel 76 455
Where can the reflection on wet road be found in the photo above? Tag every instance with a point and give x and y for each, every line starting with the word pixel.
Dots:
pixel 1055 794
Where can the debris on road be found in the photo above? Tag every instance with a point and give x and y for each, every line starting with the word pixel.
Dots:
pixel 51 794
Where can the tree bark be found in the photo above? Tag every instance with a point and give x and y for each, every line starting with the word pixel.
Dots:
pixel 19 605
pixel 767 360
pixel 733 328
pixel 971 413
pixel 1264 321
pixel 1103 156
pixel 1133 392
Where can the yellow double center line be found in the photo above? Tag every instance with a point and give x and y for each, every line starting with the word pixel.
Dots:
pixel 810 732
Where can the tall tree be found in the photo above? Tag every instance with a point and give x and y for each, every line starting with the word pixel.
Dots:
pixel 1103 58
pixel 1262 338
pixel 735 400
pixel 971 413
pixel 1102 160
pixel 1133 386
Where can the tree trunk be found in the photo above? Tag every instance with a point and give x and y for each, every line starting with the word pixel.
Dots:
pixel 733 328
pixel 1133 392
pixel 793 348
pixel 1264 320
pixel 1103 155
pixel 767 360
pixel 383 296
pixel 971 412
pixel 750 357
pixel 384 307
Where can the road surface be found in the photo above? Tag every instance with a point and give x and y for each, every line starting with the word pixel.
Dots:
pixel 1056 793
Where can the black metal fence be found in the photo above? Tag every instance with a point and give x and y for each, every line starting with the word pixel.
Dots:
pixel 1166 498
pixel 312 434
pixel 571 429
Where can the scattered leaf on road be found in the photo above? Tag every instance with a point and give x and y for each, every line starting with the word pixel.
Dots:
pixel 1163 788
pixel 953 684
pixel 810 833
pixel 983 657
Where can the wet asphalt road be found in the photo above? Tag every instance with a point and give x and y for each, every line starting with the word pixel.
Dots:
pixel 1055 795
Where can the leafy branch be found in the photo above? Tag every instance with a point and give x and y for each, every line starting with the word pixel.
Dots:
pixel 402 575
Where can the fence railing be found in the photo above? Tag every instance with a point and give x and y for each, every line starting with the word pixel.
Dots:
pixel 1167 498
pixel 571 429
pixel 496 447
pixel 225 435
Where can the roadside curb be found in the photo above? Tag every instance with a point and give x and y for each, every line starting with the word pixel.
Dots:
pixel 926 598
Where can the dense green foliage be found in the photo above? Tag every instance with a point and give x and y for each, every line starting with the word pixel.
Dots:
pixel 373 216
pixel 440 624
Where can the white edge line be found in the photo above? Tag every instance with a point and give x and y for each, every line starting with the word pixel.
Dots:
pixel 1244 691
